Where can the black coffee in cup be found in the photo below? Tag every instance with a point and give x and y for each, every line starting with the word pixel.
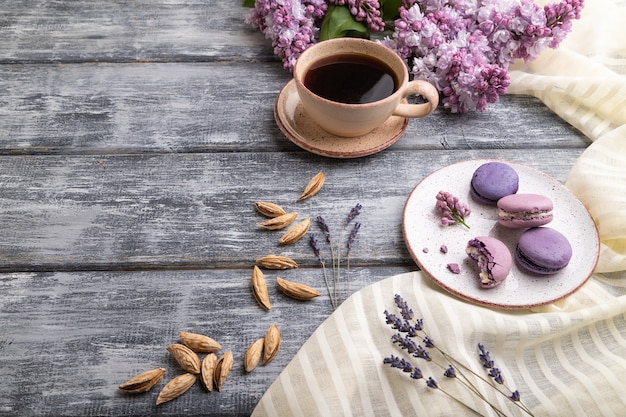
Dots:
pixel 351 79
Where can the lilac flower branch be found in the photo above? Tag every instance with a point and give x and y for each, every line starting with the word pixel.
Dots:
pixel 463 47
pixel 452 209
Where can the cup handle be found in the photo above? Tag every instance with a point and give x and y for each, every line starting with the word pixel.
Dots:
pixel 424 89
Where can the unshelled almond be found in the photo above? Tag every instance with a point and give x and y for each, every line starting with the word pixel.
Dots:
pixel 199 342
pixel 271 343
pixel 143 382
pixel 186 358
pixel 278 222
pixel 296 290
pixel 259 288
pixel 296 232
pixel 208 369
pixel 222 369
pixel 269 209
pixel 313 187
pixel 176 387
pixel 276 262
pixel 253 354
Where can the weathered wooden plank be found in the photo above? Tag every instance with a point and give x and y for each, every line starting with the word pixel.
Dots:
pixel 121 31
pixel 69 339
pixel 114 108
pixel 137 136
pixel 197 210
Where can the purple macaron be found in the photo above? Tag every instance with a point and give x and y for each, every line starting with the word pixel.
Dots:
pixel 492 181
pixel 543 250
pixel 519 211
pixel 493 259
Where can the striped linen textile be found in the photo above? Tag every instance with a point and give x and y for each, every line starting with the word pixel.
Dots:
pixel 567 358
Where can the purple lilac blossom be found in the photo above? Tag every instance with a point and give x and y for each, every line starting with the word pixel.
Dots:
pixel 465 47
pixel 291 25
pixel 452 209
pixel 366 11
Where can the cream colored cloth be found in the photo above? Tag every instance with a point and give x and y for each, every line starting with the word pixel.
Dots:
pixel 567 358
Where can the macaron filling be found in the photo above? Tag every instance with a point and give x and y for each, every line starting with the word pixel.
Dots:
pixel 518 211
pixel 491 271
pixel 525 215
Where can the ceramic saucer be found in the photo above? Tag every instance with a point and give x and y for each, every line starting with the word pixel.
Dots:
pixel 298 126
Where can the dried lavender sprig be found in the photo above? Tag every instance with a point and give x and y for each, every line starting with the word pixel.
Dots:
pixel 316 249
pixel 401 325
pixel 464 378
pixel 404 325
pixel 354 212
pixel 351 239
pixel 324 226
pixel 406 366
pixel 432 383
pixel 419 352
pixel 496 374
pixel 407 343
pixel 405 310
pixel 326 229
pixel 335 253
pixel 450 372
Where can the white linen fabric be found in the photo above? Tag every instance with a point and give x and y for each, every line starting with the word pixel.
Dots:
pixel 566 358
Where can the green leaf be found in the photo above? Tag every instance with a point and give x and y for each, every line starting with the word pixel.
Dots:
pixel 339 23
pixel 389 9
pixel 248 3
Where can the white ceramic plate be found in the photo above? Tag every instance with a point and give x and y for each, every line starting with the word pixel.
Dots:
pixel 424 235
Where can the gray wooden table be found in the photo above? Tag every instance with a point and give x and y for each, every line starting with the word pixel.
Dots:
pixel 135 138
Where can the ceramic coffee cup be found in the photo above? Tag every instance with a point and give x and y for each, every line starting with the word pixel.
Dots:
pixel 351 119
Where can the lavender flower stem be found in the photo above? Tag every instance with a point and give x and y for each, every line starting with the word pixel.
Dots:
pixel 317 251
pixel 459 401
pixel 354 212
pixel 457 369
